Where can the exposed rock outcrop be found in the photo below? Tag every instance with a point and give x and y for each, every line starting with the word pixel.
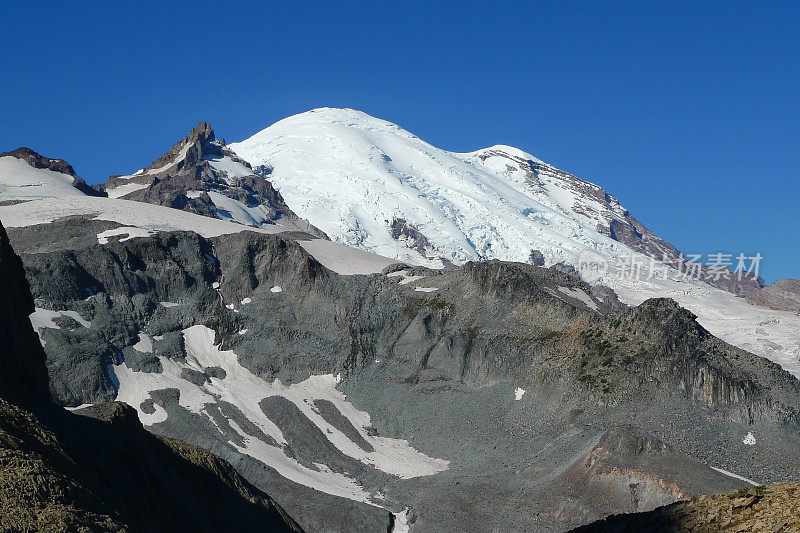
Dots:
pixel 196 169
pixel 772 508
pixel 783 295
pixel 56 165
pixel 100 471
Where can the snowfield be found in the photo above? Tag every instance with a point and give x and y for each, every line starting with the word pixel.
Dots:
pixel 353 175
pixel 244 390
pixel 140 219
pixel 20 181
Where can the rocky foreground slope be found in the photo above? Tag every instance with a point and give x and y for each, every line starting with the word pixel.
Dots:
pixel 774 509
pixel 99 470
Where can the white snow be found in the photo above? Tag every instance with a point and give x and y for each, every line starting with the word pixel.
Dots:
pixel 426 289
pixel 345 260
pixel 351 175
pixel 236 211
pixel 736 476
pixel 245 390
pixel 20 181
pixel 578 294
pixel 519 393
pixel 276 288
pixel 401 524
pixel 749 439
pixel 405 277
pixel 145 343
pixel 150 217
pixel 180 157
pixel 228 168
pixel 246 301
pixel 170 304
pixel 43 318
pixel 129 232
pixel 81 406
pixel 122 190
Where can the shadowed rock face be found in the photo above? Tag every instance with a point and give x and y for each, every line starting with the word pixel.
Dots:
pixel 613 398
pixel 23 376
pixel 771 508
pixel 100 471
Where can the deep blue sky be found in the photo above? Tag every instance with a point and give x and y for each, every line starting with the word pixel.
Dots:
pixel 689 114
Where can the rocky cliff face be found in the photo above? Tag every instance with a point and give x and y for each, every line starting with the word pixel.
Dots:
pixel 101 470
pixel 783 295
pixel 771 508
pixel 23 375
pixel 200 174
pixel 430 357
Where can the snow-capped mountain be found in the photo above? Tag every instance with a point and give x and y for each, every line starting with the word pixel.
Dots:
pixel 369 183
pixel 393 399
pixel 201 175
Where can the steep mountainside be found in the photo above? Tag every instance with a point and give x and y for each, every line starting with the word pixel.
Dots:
pixel 24 174
pixel 783 295
pixel 348 392
pixel 772 508
pixel 100 471
pixel 199 174
pixel 369 183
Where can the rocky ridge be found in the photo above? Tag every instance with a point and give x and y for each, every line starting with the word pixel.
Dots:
pixel 100 470
pixel 200 174
pixel 411 358
pixel 773 508
pixel 783 295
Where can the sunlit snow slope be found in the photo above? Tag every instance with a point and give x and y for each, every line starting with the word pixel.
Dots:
pixel 369 183
pixel 20 181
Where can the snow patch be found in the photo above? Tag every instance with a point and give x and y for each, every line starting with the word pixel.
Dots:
pixel 129 232
pixel 578 294
pixel 519 393
pixel 401 524
pixel 145 344
pixel 276 288
pixel 122 190
pixel 20 181
pixel 735 476
pixel 244 390
pixel 749 439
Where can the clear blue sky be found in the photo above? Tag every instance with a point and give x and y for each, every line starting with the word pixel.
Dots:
pixel 688 112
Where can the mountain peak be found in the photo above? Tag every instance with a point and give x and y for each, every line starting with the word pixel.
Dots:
pixel 203 132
